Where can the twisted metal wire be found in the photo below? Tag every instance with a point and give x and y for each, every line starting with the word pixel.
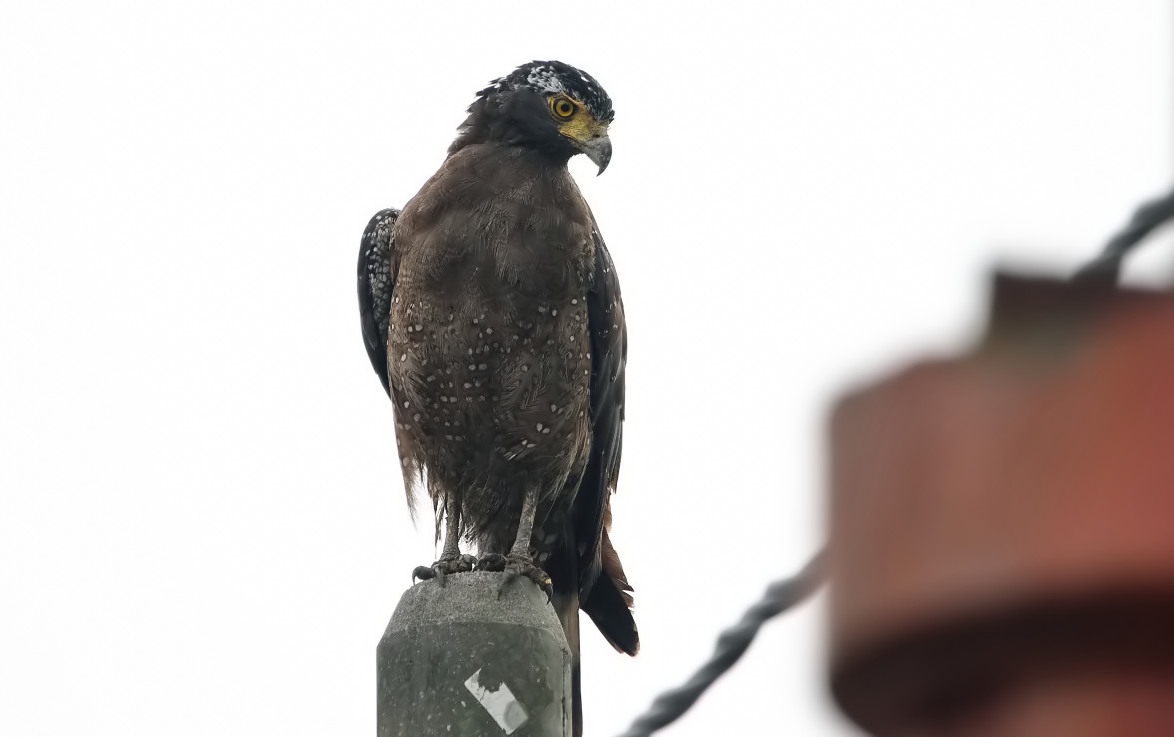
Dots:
pixel 779 597
pixel 1105 269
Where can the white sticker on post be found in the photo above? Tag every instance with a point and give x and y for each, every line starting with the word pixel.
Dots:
pixel 506 710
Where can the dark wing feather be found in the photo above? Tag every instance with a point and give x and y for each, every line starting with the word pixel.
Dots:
pixel 604 590
pixel 377 269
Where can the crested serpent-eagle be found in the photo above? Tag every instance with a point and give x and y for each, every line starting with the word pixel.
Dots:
pixel 491 312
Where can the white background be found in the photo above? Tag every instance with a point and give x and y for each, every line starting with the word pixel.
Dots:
pixel 202 525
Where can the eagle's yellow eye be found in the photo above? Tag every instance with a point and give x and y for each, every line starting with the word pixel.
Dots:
pixel 562 107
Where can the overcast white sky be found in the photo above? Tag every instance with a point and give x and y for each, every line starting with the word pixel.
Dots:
pixel 202 525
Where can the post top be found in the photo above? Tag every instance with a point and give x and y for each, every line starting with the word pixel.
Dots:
pixel 473 597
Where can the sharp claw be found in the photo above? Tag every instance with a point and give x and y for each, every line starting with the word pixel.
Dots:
pixel 422 572
pixel 442 568
pixel 509 577
pixel 515 567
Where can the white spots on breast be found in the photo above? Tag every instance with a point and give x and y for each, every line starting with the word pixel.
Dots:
pixel 538 427
pixel 403 357
pixel 553 313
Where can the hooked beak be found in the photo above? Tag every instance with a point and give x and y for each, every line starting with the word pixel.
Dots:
pixel 598 150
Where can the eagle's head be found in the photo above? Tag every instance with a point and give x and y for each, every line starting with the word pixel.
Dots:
pixel 547 106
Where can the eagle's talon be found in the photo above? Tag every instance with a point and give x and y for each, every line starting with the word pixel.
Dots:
pixel 422 573
pixel 443 567
pixel 495 562
pixel 515 567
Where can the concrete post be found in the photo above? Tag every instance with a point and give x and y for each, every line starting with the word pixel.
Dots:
pixel 459 661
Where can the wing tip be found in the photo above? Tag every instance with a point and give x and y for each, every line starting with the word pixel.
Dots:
pixel 375 281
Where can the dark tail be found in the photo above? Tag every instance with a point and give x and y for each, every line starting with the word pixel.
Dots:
pixel 608 602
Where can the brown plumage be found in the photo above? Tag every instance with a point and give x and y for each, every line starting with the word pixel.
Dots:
pixel 491 312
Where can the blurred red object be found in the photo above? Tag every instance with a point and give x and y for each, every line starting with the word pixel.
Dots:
pixel 1002 527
